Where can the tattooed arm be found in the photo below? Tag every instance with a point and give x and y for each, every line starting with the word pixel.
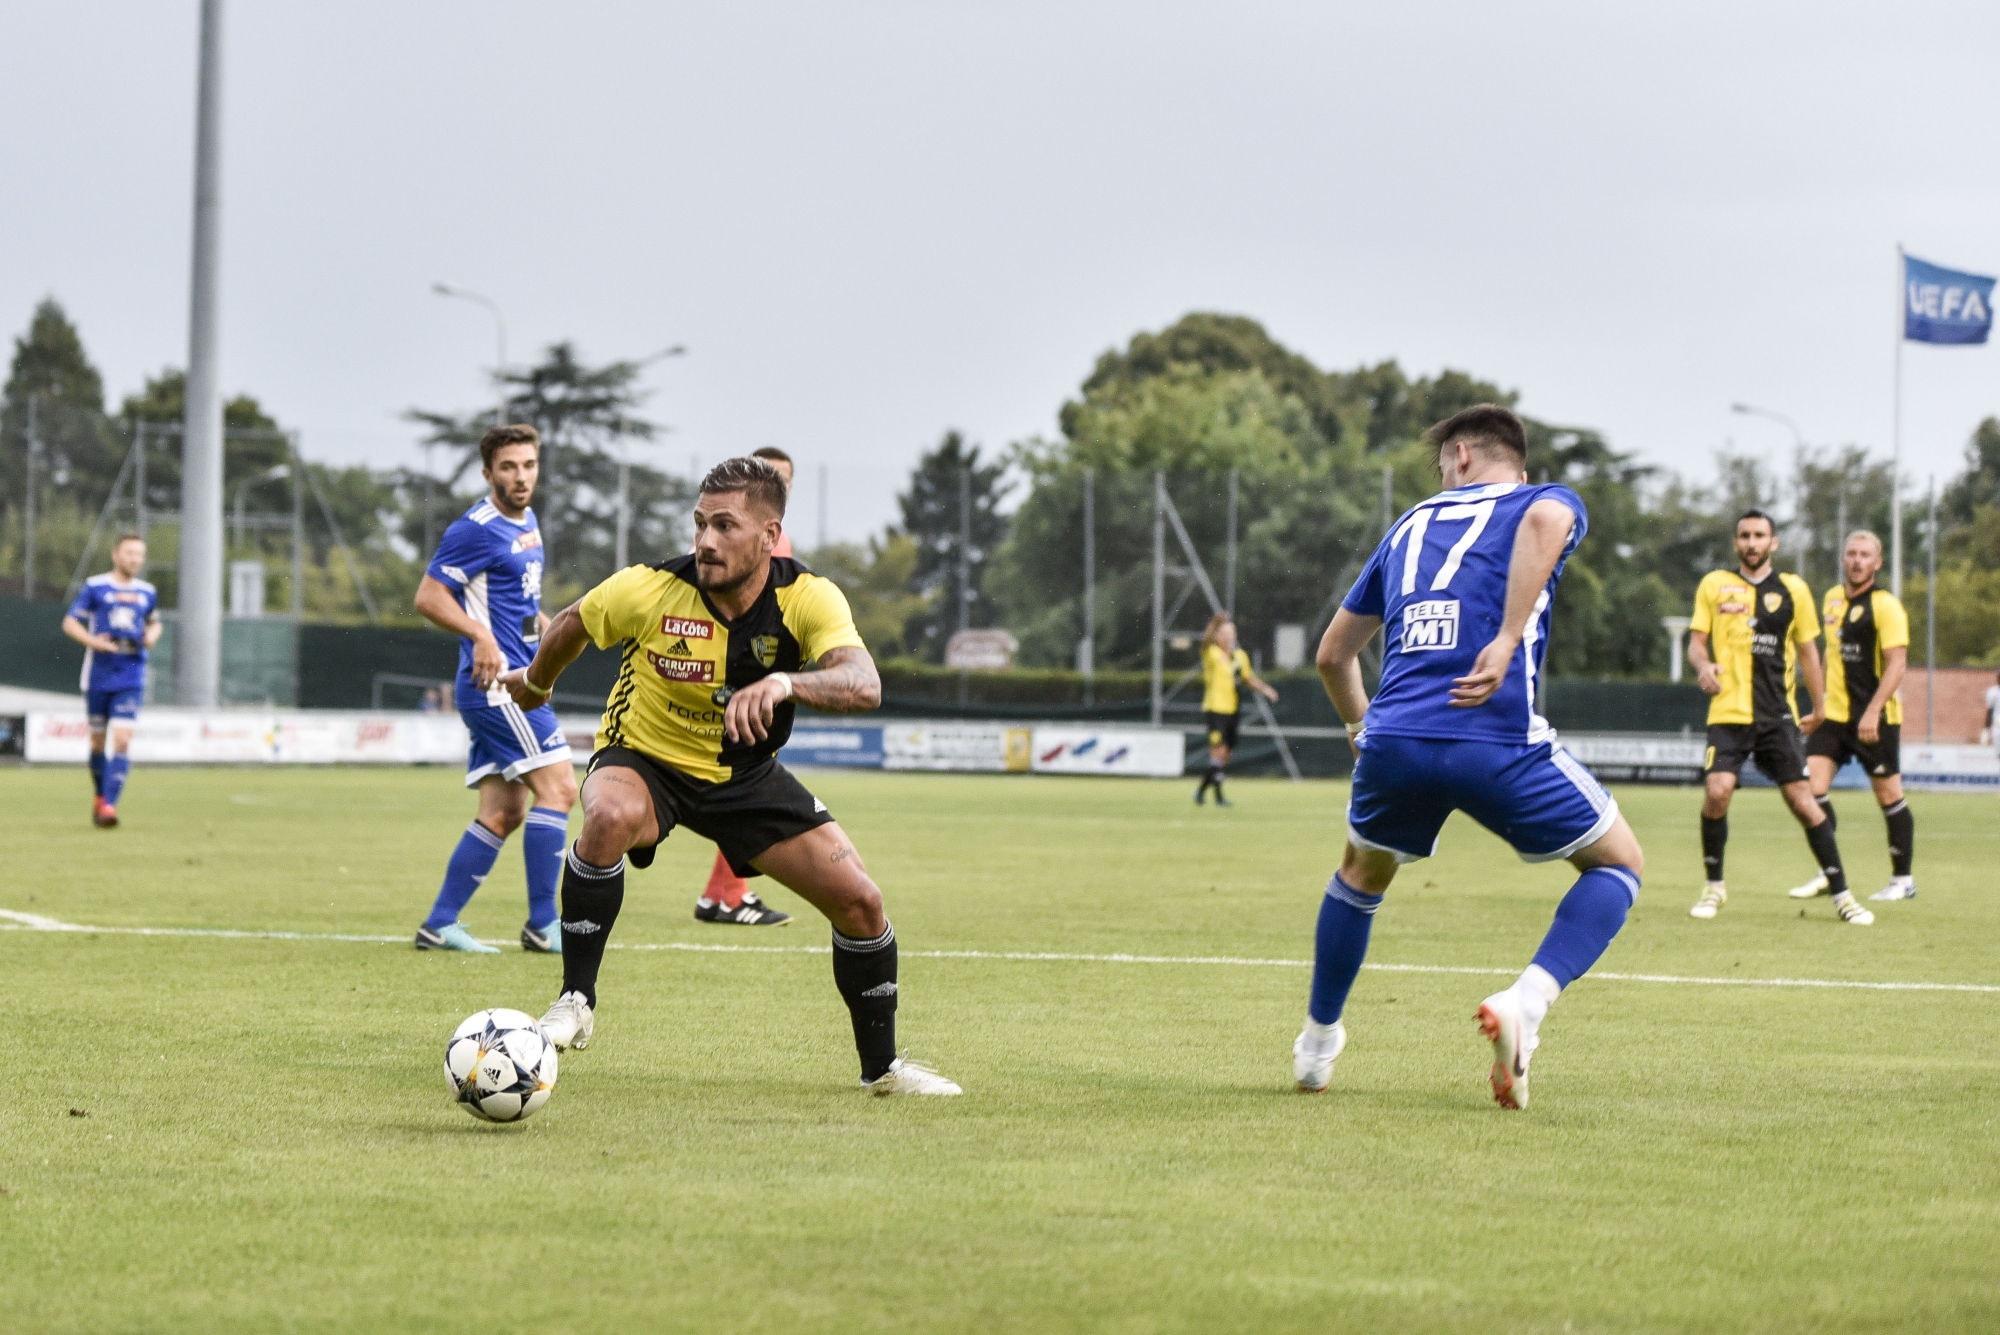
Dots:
pixel 845 683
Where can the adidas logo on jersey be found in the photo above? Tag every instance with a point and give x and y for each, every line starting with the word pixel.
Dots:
pixel 818 806
pixel 1432 624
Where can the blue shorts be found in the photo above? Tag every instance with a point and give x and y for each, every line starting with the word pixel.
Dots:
pixel 509 741
pixel 1535 796
pixel 103 706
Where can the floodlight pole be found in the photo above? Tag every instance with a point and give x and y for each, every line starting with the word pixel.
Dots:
pixel 1086 655
pixel 198 643
pixel 299 528
pixel 28 549
pixel 1229 564
pixel 1930 623
pixel 1159 585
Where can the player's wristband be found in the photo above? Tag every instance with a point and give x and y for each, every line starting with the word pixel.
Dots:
pixel 529 682
pixel 786 678
pixel 1354 728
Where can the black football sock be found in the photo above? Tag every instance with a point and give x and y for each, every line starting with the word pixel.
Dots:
pixel 591 897
pixel 1827 852
pixel 865 973
pixel 1826 809
pixel 1714 836
pixel 1902 837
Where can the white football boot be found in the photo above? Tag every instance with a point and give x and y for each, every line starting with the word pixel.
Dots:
pixel 569 1022
pixel 1902 887
pixel 1713 897
pixel 1851 910
pixel 908 1077
pixel 1812 889
pixel 1514 1042
pixel 1313 1054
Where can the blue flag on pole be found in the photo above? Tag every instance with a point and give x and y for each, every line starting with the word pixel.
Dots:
pixel 1945 306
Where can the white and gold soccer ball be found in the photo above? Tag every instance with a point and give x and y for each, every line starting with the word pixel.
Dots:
pixel 499 1065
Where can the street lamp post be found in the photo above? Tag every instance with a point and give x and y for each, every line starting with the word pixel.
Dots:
pixel 500 333
pixel 1798 440
pixel 624 528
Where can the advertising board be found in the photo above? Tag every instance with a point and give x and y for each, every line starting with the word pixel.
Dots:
pixel 1116 751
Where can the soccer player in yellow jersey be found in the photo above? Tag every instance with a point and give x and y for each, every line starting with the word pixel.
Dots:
pixel 1753 635
pixel 1223 666
pixel 719 647
pixel 1867 651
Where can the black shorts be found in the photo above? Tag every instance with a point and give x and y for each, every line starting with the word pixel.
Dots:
pixel 1778 748
pixel 1838 741
pixel 743 815
pixel 1222 729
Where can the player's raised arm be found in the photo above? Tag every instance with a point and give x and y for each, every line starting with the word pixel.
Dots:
pixel 1538 545
pixel 562 640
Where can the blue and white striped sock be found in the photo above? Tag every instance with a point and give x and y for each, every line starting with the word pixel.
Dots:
pixel 470 862
pixel 1340 944
pixel 1586 920
pixel 542 840
pixel 115 771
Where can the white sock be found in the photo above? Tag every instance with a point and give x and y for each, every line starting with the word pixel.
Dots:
pixel 1904 880
pixel 1319 1037
pixel 1537 990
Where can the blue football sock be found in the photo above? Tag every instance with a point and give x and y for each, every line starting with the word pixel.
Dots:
pixel 1340 945
pixel 97 772
pixel 115 770
pixel 542 840
pixel 1586 920
pixel 470 861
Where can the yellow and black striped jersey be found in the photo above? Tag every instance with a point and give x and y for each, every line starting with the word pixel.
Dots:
pixel 683 658
pixel 1219 674
pixel 1754 630
pixel 1857 632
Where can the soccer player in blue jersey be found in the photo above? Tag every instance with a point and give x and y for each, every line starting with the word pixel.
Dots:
pixel 1463 585
pixel 116 618
pixel 485 585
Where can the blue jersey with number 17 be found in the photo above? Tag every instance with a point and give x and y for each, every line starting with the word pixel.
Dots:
pixel 1439 584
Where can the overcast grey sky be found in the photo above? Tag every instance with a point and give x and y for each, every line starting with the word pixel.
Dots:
pixel 873 222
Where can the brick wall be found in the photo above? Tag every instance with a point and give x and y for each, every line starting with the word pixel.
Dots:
pixel 1961 704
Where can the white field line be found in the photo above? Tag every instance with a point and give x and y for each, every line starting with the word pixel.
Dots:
pixel 13 921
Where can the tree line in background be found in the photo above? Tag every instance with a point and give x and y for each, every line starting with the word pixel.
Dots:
pixel 1322 459
pixel 364 529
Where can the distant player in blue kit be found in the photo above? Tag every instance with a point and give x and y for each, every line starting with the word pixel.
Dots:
pixel 485 585
pixel 1463 584
pixel 116 618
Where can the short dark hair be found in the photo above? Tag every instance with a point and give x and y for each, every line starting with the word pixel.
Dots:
pixel 126 536
pixel 500 437
pixel 1754 513
pixel 759 481
pixel 1486 427
pixel 773 453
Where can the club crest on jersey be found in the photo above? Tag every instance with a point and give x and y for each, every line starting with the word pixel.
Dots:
pixel 687 628
pixel 1772 602
pixel 681 669
pixel 1430 625
pixel 764 648
pixel 1855 615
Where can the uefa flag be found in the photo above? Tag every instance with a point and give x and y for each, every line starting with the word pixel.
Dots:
pixel 1945 306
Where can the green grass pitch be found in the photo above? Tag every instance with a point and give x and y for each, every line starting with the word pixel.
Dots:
pixel 268 1144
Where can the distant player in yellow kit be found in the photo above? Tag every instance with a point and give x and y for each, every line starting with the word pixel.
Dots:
pixel 1223 666
pixel 1867 652
pixel 1751 639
